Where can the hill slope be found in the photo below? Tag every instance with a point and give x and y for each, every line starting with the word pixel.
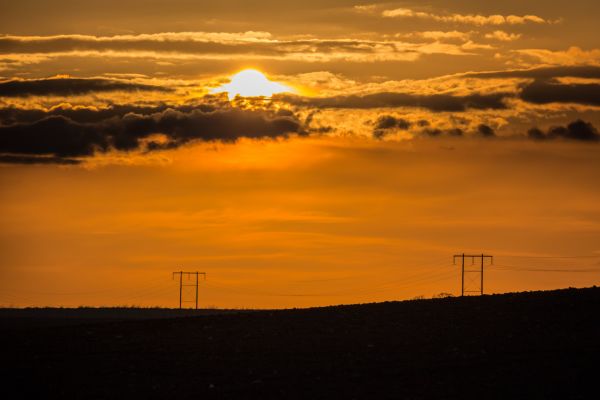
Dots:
pixel 526 345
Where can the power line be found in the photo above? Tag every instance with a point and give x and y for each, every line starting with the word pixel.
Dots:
pixel 550 257
pixel 427 272
pixel 414 280
pixel 149 291
pixel 504 267
pixel 90 292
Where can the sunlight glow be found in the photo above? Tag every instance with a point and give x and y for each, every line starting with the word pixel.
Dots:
pixel 251 83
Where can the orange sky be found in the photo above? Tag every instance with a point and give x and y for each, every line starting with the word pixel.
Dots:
pixel 415 131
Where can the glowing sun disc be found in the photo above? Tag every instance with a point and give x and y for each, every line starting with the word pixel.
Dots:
pixel 251 83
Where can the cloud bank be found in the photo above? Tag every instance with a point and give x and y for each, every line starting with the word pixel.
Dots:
pixel 207 45
pixel 61 86
pixel 544 92
pixel 441 102
pixel 576 130
pixel 59 138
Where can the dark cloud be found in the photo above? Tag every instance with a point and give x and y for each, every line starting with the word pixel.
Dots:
pixel 485 131
pixel 456 132
pixel 441 102
pixel 536 134
pixel 579 71
pixel 546 89
pixel 432 132
pixel 390 122
pixel 62 137
pixel 576 130
pixel 14 115
pixel 385 123
pixel 549 91
pixel 435 132
pixel 69 87
pixel 54 135
pixel 21 159
pixel 323 129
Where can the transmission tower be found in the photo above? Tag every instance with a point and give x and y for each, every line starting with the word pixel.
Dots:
pixel 182 285
pixel 472 271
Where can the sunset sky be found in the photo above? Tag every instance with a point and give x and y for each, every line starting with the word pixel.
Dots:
pixel 300 153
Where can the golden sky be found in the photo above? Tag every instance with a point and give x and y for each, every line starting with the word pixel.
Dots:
pixel 314 153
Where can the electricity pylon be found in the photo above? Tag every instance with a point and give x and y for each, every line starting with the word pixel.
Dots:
pixel 182 285
pixel 475 270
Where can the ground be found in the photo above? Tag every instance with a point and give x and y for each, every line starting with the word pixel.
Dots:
pixel 534 345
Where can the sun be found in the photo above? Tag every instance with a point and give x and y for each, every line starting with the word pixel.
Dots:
pixel 251 83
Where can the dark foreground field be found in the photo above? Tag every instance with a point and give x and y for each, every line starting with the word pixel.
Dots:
pixel 530 345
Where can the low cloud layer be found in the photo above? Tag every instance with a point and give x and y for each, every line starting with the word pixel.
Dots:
pixel 544 92
pixel 482 131
pixel 59 138
pixel 62 86
pixel 46 131
pixel 577 71
pixel 389 122
pixel 577 130
pixel 385 123
pixel 441 102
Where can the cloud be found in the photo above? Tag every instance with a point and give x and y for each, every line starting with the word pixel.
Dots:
pixel 472 19
pixel 214 46
pixel 579 71
pixel 482 131
pixel 440 102
pixel 439 35
pixel 502 36
pixel 572 56
pixel 471 45
pixel 485 131
pixel 385 123
pixel 436 132
pixel 536 134
pixel 21 159
pixel 61 137
pixel 62 86
pixel 366 8
pixel 389 122
pixel 549 91
pixel 13 43
pixel 546 86
pixel 81 114
pixel 577 130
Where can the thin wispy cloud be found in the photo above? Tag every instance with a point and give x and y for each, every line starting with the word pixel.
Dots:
pixel 439 35
pixel 472 19
pixel 503 36
pixel 572 56
pixel 202 45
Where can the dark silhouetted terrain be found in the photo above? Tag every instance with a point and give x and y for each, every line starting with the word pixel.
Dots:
pixel 534 345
